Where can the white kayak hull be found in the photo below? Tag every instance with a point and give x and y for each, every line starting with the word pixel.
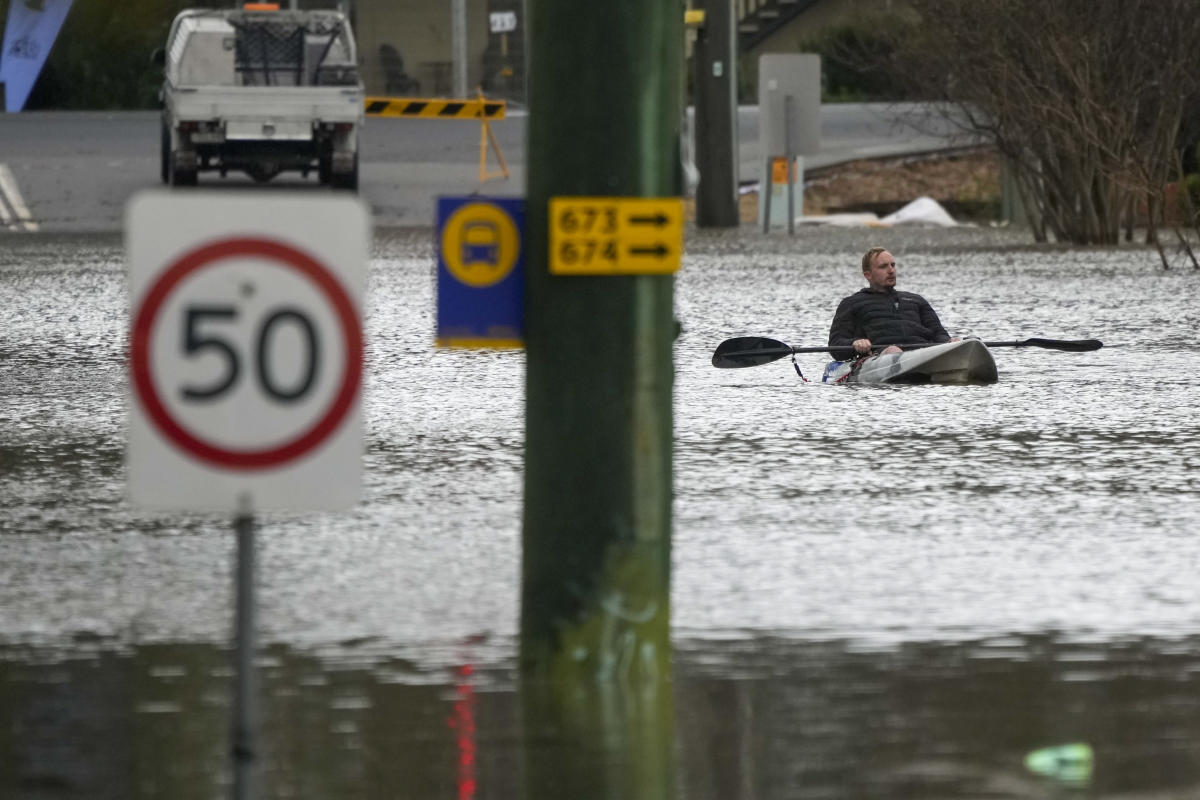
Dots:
pixel 968 361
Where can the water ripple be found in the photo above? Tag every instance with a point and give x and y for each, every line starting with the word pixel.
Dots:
pixel 1061 498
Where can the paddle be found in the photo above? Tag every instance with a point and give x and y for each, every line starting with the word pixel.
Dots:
pixel 750 351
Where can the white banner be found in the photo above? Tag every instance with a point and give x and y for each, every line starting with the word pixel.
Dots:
pixel 29 34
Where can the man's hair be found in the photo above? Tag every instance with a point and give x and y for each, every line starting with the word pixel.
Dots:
pixel 874 251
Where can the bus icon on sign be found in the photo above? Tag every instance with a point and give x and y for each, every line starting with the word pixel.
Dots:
pixel 480 244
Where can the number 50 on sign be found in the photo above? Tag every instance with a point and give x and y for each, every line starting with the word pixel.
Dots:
pixel 245 351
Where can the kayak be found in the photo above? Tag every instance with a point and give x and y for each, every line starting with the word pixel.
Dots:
pixel 967 361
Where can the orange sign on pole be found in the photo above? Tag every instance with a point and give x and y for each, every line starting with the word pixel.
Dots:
pixel 779 171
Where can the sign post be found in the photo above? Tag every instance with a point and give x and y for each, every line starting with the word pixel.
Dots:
pixel 605 236
pixel 246 360
pixel 245 705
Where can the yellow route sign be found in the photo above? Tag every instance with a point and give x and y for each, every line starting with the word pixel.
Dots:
pixel 615 235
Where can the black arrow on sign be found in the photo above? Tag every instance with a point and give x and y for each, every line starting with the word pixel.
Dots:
pixel 659 250
pixel 658 220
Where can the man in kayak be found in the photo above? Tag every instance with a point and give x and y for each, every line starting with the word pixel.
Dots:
pixel 881 314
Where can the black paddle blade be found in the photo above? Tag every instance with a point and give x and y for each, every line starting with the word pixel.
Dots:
pixel 748 351
pixel 1068 345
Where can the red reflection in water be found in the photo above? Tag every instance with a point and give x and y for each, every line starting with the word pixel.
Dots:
pixel 462 720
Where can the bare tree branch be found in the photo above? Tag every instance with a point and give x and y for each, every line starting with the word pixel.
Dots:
pixel 1089 101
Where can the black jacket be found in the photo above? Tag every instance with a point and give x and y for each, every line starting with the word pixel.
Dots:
pixel 892 317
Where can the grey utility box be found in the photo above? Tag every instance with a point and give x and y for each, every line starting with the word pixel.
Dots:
pixel 795 75
pixel 789 111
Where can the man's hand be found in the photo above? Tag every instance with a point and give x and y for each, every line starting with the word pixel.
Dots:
pixel 862 346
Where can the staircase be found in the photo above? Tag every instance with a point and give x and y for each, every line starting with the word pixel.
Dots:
pixel 759 19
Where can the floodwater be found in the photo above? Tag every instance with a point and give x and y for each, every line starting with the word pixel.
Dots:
pixel 877 591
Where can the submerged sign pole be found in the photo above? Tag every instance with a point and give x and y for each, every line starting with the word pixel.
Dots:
pixel 245 719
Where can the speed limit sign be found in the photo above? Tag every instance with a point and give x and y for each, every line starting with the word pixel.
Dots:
pixel 245 350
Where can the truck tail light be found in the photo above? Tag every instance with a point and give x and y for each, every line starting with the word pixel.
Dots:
pixel 343 127
pixel 189 126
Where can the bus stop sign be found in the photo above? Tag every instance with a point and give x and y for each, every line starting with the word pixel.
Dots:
pixel 480 272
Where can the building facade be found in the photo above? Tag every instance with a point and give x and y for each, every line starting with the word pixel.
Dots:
pixel 406 47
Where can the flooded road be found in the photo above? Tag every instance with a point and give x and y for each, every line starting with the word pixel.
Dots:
pixel 877 591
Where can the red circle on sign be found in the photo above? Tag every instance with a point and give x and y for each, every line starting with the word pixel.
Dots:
pixel 139 353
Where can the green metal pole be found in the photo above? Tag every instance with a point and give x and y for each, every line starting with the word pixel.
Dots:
pixel 604 120
pixel 715 71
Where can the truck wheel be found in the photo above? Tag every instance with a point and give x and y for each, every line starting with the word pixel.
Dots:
pixel 348 179
pixel 182 177
pixel 165 153
pixel 262 171
pixel 324 169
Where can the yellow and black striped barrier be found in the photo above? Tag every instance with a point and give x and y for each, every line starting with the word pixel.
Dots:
pixel 434 108
pixel 482 109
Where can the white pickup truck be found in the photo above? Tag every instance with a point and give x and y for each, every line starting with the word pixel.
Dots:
pixel 262 91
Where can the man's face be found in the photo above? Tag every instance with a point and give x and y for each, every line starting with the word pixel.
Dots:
pixel 882 274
